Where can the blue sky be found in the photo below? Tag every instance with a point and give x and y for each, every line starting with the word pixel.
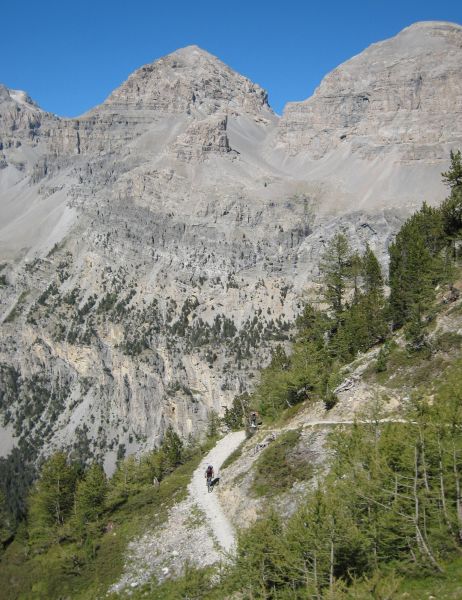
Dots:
pixel 70 55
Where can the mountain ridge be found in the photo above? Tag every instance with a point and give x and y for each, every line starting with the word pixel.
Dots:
pixel 154 253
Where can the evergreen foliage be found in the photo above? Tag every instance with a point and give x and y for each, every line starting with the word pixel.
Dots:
pixel 453 177
pixel 52 498
pixel 417 265
pixel 234 417
pixel 421 255
pixel 326 340
pixel 16 476
pixel 391 498
pixel 336 266
pixel 6 523
pixel 90 497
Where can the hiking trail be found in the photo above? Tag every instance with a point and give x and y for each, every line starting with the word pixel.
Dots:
pixel 197 532
pixel 209 502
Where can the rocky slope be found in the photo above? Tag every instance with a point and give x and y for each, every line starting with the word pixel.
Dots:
pixel 384 120
pixel 154 249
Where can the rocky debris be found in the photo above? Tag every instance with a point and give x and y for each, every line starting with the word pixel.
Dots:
pixel 265 443
pixel 163 553
pixel 453 294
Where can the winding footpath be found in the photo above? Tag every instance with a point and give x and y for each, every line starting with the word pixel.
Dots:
pixel 164 551
pixel 208 502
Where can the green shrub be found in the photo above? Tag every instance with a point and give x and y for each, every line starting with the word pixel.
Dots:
pixel 278 467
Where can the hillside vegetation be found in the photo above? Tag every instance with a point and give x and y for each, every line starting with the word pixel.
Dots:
pixel 384 520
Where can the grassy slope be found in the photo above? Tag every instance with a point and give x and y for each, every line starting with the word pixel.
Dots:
pixel 68 571
pixel 442 587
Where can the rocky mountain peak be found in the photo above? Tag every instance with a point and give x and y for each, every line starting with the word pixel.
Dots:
pixel 403 94
pixel 189 80
pixel 18 97
pixel 20 117
pixel 441 26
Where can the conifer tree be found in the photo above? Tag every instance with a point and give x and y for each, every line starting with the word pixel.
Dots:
pixel 335 269
pixel 453 177
pixel 90 496
pixel 6 522
pixel 213 424
pixel 235 417
pixel 416 264
pixel 452 207
pixel 172 447
pixel 52 497
pixel 372 273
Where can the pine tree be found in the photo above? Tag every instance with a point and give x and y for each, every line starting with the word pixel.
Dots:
pixel 416 264
pixel 172 447
pixel 235 417
pixel 52 497
pixel 6 522
pixel 453 177
pixel 90 496
pixel 452 213
pixel 372 273
pixel 213 424
pixel 335 269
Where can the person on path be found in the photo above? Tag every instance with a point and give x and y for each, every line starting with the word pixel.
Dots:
pixel 209 473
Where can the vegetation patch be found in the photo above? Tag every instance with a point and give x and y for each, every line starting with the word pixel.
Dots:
pixel 280 466
pixel 79 524
pixel 233 456
pixel 17 308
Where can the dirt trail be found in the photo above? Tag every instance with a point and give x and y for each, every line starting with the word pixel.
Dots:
pixel 209 502
pixel 352 421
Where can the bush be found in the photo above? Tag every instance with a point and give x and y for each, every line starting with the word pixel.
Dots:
pixel 278 467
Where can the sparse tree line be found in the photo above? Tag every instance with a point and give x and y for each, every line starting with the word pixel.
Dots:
pixel 72 501
pixel 390 506
pixel 357 314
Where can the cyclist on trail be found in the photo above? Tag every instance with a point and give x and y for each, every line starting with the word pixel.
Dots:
pixel 253 419
pixel 209 475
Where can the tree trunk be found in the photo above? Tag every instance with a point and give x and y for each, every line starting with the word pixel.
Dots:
pixel 421 543
pixel 331 565
pixel 458 498
pixel 442 487
pixel 315 575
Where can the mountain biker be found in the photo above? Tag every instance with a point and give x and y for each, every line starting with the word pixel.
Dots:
pixel 209 475
pixel 253 419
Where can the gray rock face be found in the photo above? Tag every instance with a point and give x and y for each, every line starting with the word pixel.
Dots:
pixel 202 139
pixel 189 80
pixel 403 94
pixel 155 249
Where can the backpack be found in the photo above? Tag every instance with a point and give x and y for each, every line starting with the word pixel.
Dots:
pixel 209 471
